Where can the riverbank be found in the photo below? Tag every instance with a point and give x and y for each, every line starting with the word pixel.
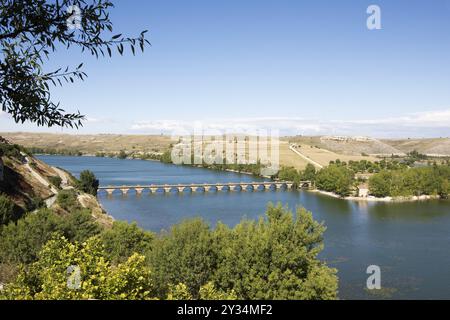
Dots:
pixel 375 199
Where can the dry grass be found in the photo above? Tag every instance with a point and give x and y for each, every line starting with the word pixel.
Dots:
pixel 91 144
pixel 323 156
pixel 437 146
pixel 289 158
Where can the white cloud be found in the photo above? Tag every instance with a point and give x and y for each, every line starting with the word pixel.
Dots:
pixel 433 123
pixel 431 118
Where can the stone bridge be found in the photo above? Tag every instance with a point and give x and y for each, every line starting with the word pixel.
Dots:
pixel 206 187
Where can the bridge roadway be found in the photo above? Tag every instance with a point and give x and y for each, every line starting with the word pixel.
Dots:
pixel 206 187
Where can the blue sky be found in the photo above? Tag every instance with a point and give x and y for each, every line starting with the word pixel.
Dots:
pixel 304 67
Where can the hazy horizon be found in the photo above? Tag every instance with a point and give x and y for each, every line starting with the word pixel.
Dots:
pixel 304 68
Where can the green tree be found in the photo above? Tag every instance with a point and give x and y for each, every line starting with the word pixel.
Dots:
pixel 93 276
pixel 20 242
pixel 30 31
pixel 186 255
pixel 88 182
pixel 380 184
pixel 275 258
pixel 289 174
pixel 309 174
pixel 124 239
pixel 335 178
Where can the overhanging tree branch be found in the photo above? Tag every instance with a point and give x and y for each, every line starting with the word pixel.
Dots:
pixel 30 30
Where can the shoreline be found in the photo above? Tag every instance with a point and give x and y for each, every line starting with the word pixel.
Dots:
pixel 375 199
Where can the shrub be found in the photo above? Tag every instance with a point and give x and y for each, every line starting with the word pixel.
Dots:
pixel 55 180
pixel 35 203
pixel 88 182
pixel 274 258
pixel 183 255
pixel 122 155
pixel 8 210
pixel 67 199
pixel 92 276
pixel 124 239
pixel 20 242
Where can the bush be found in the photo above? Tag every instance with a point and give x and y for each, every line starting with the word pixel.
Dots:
pixel 122 155
pixel 93 277
pixel 67 199
pixel 12 151
pixel 55 180
pixel 124 239
pixel 35 203
pixel 272 258
pixel 88 182
pixel 185 254
pixel 7 210
pixel 20 242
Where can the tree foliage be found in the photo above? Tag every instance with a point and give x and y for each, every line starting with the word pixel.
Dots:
pixel 30 31
pixel 273 258
pixel 20 242
pixel 335 178
pixel 186 255
pixel 7 210
pixel 124 239
pixel 431 180
pixel 88 182
pixel 93 276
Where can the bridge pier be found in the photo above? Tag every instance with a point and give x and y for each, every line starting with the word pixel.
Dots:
pixel 124 191
pixel 138 191
pixel 234 188
pixel 153 190
pixel 110 192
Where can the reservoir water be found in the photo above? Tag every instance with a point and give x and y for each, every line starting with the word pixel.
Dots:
pixel 410 242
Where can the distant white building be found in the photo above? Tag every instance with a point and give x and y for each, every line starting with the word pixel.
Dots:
pixel 363 191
